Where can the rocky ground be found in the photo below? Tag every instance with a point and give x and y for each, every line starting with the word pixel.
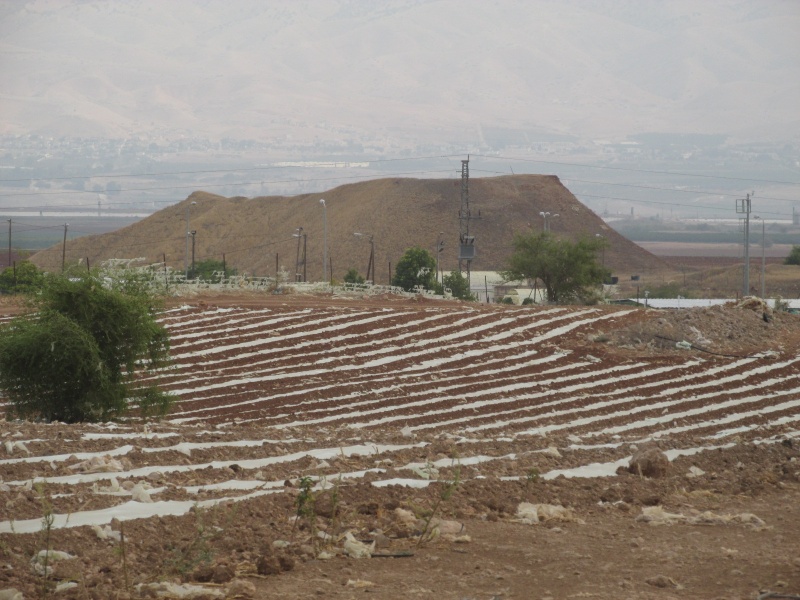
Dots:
pixel 222 509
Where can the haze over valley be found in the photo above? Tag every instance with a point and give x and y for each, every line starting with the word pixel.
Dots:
pixel 647 109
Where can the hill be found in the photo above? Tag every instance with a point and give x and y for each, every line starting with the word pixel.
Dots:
pixel 399 213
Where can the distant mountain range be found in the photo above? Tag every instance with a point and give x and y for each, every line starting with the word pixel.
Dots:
pixel 252 234
pixel 400 72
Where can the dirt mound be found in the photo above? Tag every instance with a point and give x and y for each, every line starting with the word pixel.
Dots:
pixel 731 328
pixel 253 234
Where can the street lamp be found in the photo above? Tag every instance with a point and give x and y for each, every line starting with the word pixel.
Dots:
pixel 298 235
pixel 546 216
pixel 324 239
pixel 188 233
pixel 371 263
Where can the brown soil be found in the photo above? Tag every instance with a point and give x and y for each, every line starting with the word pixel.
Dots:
pixel 398 212
pixel 736 503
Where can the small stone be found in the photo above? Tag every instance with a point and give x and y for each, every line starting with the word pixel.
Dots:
pixel 650 462
pixel 381 541
pixel 268 565
pixel 286 562
pixel 661 581
pixel 241 588
pixel 223 573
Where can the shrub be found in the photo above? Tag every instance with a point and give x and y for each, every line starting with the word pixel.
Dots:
pixel 352 276
pixel 75 358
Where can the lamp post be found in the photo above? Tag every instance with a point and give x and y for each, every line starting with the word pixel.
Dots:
pixel 188 233
pixel 298 235
pixel 324 239
pixel 371 262
pixel 546 216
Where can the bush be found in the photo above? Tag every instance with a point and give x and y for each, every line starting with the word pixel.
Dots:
pixel 22 279
pixel 75 358
pixel 352 276
pixel 794 256
pixel 213 271
pixel 415 268
pixel 458 286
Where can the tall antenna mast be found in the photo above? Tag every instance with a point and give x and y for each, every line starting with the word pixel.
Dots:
pixel 743 207
pixel 467 242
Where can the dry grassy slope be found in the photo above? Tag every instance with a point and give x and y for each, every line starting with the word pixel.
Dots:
pixel 400 213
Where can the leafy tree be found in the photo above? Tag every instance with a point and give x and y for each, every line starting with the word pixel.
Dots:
pixel 210 270
pixel 458 285
pixel 26 277
pixel 416 267
pixel 567 270
pixel 352 276
pixel 75 358
pixel 794 256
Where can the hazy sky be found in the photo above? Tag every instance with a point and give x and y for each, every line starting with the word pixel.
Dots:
pixel 399 71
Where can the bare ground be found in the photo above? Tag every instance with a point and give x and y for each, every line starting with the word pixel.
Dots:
pixel 733 532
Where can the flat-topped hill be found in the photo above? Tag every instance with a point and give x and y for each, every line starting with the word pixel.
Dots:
pixel 398 212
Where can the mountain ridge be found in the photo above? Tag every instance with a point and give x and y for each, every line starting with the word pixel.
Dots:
pixel 431 71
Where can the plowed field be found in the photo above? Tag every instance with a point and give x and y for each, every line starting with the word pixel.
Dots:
pixel 427 430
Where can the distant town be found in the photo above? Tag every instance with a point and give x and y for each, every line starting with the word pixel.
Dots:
pixel 648 176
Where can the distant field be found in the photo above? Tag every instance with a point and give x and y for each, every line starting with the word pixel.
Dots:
pixel 38 232
pixel 712 250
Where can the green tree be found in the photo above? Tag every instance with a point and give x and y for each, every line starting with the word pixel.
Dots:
pixel 352 276
pixel 416 267
pixel 25 278
pixel 567 270
pixel 458 286
pixel 211 270
pixel 794 256
pixel 75 358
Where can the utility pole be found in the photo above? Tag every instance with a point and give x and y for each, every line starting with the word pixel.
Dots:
pixel 467 242
pixel 193 232
pixel 188 233
pixel 324 240
pixel 371 263
pixel 439 248
pixel 743 206
pixel 9 242
pixel 64 248
pixel 763 257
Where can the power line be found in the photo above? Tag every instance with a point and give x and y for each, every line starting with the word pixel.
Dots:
pixel 633 170
pixel 194 185
pixel 657 188
pixel 323 163
pixel 695 206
